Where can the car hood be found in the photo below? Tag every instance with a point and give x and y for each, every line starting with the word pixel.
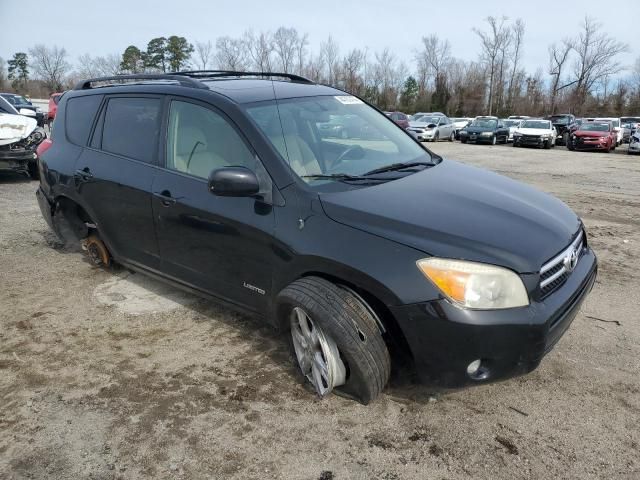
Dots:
pixel 590 133
pixel 533 131
pixel 457 211
pixel 14 128
pixel 420 124
pixel 479 129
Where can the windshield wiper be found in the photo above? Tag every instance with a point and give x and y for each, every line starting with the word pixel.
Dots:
pixel 398 166
pixel 336 176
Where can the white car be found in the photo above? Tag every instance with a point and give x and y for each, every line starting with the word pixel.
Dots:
pixel 19 138
pixel 634 143
pixel 431 128
pixel 459 123
pixel 512 125
pixel 535 133
pixel 617 126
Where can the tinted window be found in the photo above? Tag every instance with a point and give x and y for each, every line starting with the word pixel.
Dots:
pixel 201 140
pixel 131 127
pixel 79 116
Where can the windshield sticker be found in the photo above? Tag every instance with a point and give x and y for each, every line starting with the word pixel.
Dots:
pixel 348 100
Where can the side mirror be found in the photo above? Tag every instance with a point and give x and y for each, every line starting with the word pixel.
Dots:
pixel 27 112
pixel 233 182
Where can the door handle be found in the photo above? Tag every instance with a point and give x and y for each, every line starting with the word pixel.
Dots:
pixel 84 174
pixel 165 198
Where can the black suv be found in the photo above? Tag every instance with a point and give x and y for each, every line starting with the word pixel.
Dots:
pixel 368 249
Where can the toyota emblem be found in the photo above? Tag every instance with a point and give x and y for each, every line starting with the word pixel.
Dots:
pixel 571 260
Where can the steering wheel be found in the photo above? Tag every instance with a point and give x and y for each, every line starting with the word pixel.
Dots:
pixel 346 153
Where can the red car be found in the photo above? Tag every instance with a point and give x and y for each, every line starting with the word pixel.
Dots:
pixel 400 118
pixel 594 136
pixel 53 106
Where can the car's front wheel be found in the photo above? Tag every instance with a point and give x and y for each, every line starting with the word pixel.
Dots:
pixel 336 339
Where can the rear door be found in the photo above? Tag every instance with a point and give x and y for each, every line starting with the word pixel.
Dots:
pixel 115 173
pixel 221 245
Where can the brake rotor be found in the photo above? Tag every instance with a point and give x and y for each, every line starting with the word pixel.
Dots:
pixel 97 251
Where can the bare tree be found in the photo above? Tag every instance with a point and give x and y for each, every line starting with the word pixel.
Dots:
pixel 517 35
pixel 50 65
pixel 329 52
pixel 558 56
pixel 285 44
pixel 204 53
pixel 352 66
pixel 493 44
pixel 3 74
pixel 259 50
pixel 89 66
pixel 231 54
pixel 435 55
pixel 301 51
pixel 596 54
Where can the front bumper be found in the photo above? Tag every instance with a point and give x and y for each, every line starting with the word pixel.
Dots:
pixel 444 339
pixel 590 145
pixel 16 160
pixel 423 135
pixel 476 138
pixel 530 141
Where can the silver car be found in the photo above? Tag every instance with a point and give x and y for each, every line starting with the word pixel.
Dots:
pixel 431 128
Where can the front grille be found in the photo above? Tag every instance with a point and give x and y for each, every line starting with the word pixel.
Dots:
pixel 555 272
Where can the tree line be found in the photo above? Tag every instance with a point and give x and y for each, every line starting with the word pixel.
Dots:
pixel 583 75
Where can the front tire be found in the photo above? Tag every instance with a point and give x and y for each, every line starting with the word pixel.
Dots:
pixel 494 140
pixel 452 137
pixel 337 343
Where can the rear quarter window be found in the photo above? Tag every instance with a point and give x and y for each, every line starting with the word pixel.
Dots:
pixel 132 127
pixel 80 112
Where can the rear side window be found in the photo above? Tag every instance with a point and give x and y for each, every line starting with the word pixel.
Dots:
pixel 131 127
pixel 79 116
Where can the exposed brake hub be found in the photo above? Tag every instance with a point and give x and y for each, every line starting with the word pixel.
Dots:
pixel 97 251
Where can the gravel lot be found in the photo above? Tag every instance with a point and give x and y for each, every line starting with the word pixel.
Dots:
pixel 111 375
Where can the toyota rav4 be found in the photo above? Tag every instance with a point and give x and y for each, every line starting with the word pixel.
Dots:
pixel 367 247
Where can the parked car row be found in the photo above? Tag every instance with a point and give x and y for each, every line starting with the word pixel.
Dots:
pixel 602 134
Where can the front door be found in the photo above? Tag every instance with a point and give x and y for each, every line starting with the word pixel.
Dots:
pixel 221 245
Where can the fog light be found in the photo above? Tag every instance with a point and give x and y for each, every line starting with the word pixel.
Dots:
pixel 473 367
pixel 477 370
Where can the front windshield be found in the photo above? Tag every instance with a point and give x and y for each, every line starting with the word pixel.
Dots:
pixel 329 135
pixel 536 124
pixel 595 127
pixel 484 122
pixel 560 120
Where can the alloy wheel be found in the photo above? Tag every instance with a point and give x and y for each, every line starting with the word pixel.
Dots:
pixel 317 354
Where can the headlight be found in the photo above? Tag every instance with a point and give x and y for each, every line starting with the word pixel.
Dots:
pixel 462 132
pixel 475 285
pixel 486 134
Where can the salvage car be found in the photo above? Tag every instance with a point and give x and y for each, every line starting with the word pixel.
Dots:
pixel 400 118
pixel 459 123
pixel 25 107
pixel 617 127
pixel 562 122
pixel 634 144
pixel 512 125
pixel 431 128
pixel 19 139
pixel 367 252
pixel 53 107
pixel 595 135
pixel 485 129
pixel 535 133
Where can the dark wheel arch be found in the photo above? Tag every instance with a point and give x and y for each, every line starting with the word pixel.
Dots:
pixel 392 333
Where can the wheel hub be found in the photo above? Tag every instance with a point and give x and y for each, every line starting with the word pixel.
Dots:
pixel 317 354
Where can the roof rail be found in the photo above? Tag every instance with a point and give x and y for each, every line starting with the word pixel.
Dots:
pixel 124 79
pixel 204 74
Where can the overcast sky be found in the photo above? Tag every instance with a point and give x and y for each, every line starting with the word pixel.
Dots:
pixel 100 28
